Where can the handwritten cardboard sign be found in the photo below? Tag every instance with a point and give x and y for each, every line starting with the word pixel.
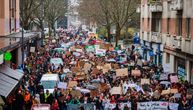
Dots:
pixel 136 73
pixel 32 49
pixel 71 84
pixel 116 90
pixel 145 81
pixel 173 91
pixel 122 72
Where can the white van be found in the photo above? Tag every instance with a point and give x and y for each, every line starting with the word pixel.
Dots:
pixel 49 81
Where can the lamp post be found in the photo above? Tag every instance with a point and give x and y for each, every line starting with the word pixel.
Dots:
pixel 42 20
pixel 22 38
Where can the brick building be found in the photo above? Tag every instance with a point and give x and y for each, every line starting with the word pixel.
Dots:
pixel 167 34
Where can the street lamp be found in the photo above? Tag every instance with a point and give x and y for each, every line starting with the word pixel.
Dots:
pixel 22 38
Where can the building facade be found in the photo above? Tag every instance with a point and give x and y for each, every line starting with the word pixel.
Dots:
pixel 9 17
pixel 167 34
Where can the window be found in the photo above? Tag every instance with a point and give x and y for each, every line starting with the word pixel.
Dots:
pixel 179 23
pixel 168 25
pixel 167 58
pixel 188 22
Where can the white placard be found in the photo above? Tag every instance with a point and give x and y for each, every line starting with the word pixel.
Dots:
pixel 32 49
pixel 155 105
pixel 62 85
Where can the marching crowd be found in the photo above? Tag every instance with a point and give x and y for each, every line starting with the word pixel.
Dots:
pixel 98 84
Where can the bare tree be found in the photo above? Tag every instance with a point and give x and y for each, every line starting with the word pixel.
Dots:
pixel 96 10
pixel 53 10
pixel 122 12
pixel 28 7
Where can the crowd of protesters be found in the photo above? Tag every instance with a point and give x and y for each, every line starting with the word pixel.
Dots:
pixel 31 91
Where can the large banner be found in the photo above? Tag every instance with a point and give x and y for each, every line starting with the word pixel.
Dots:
pixel 157 105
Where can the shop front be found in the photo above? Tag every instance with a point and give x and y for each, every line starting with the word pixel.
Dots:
pixel 181 69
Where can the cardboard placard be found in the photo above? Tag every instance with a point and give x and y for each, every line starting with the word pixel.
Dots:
pixel 75 93
pixel 76 69
pixel 145 81
pixel 139 62
pixel 174 91
pixel 174 79
pixel 71 84
pixel 122 72
pixel 94 93
pixel 115 66
pixel 107 66
pixel 32 49
pixel 105 71
pixel 165 92
pixel 116 90
pixel 87 66
pixel 136 73
pixel 95 71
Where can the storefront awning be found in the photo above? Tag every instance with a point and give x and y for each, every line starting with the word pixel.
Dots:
pixel 9 78
pixel 10 72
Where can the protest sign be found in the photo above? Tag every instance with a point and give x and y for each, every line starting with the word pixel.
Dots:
pixel 76 69
pixel 71 84
pixel 173 79
pixel 163 76
pixel 155 105
pixel 136 73
pixel 139 62
pixel 173 91
pixel 115 66
pixel 173 106
pixel 145 81
pixel 90 48
pixel 165 92
pixel 107 66
pixel 116 90
pixel 62 85
pixel 95 71
pixel 87 67
pixel 167 68
pixel 122 72
pixel 32 49
pixel 77 54
pixel 75 93
pixel 79 50
pixel 100 52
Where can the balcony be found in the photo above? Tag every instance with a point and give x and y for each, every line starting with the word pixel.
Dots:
pixel 156 37
pixel 177 42
pixel 155 6
pixel 176 5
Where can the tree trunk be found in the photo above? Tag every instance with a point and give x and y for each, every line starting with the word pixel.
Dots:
pixel 49 30
pixel 118 33
pixel 109 33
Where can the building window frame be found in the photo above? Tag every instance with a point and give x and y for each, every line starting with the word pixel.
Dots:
pixel 188 27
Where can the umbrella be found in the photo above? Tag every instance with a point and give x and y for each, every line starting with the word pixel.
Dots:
pixel 96 81
pixel 85 91
pixel 91 87
pixel 111 60
pixel 165 82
